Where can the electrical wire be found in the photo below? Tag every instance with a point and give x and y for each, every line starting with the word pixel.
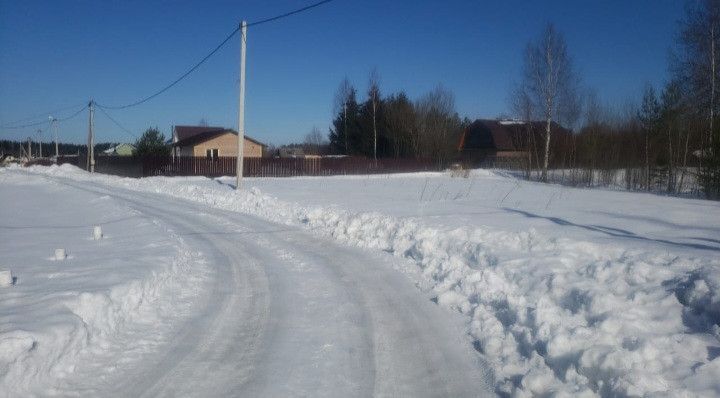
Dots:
pixel 118 123
pixel 299 10
pixel 162 90
pixel 176 81
pixel 45 121
pixel 44 114
pixel 215 50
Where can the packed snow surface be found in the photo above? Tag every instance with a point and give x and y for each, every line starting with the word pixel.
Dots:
pixel 262 310
pixel 565 291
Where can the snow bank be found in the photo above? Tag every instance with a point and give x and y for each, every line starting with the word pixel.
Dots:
pixel 551 315
pixel 62 323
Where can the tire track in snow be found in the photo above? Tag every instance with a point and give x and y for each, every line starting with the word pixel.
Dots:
pixel 336 323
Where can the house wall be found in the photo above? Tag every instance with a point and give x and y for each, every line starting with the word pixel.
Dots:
pixel 226 145
pixel 185 151
pixel 124 150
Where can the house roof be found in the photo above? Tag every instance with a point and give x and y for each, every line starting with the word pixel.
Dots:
pixel 192 135
pixel 184 132
pixel 502 135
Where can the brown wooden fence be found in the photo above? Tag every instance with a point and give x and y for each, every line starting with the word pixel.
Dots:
pixel 253 167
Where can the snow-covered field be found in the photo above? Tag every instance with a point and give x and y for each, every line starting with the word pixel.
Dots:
pixel 564 291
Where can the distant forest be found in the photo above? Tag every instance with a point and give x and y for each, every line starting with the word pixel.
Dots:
pixel 670 139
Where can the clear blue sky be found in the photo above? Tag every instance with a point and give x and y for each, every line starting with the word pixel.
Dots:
pixel 59 53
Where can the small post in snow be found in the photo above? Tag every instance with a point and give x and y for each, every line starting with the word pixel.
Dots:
pixel 241 107
pixel 97 232
pixel 60 254
pixel 6 278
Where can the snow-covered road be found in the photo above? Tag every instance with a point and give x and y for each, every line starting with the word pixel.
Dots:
pixel 289 314
pixel 324 286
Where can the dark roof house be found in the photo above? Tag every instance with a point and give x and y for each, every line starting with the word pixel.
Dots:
pixel 485 138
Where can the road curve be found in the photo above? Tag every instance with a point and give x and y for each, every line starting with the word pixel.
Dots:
pixel 293 314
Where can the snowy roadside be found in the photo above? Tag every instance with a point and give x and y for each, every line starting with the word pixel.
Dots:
pixel 71 325
pixel 568 316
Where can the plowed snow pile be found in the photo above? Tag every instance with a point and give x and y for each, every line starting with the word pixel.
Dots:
pixel 566 291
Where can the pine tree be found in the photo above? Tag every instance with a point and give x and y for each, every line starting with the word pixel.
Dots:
pixel 344 133
pixel 152 143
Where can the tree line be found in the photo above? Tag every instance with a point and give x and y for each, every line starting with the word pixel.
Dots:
pixel 668 142
pixel 394 126
pixel 19 148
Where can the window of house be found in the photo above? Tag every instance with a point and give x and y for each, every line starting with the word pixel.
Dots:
pixel 211 154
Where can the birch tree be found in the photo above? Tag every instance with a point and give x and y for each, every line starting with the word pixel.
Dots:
pixel 698 67
pixel 374 96
pixel 549 79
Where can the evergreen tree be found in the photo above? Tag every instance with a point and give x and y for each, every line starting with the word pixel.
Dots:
pixel 344 131
pixel 152 143
pixel 400 122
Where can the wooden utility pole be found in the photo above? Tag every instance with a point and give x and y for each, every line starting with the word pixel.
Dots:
pixel 91 141
pixel 29 151
pixel 241 106
pixel 39 132
pixel 54 127
pixel 374 128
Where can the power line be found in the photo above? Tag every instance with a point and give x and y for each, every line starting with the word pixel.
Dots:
pixel 299 10
pixel 44 114
pixel 215 50
pixel 45 121
pixel 176 81
pixel 117 123
pixel 73 115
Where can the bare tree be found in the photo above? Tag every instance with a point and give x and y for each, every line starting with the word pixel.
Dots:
pixel 374 95
pixel 523 109
pixel 342 96
pixel 594 116
pixel 550 82
pixel 649 115
pixel 698 63
pixel 314 141
pixel 698 68
pixel 438 125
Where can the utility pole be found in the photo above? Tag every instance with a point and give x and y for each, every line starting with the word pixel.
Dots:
pixel 53 127
pixel 345 133
pixel 91 141
pixel 39 133
pixel 374 129
pixel 29 151
pixel 241 106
